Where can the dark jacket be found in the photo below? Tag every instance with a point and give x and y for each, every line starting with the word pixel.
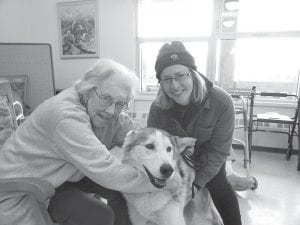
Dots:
pixel 211 123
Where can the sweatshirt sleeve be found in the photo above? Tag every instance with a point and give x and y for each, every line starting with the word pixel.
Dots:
pixel 213 153
pixel 80 147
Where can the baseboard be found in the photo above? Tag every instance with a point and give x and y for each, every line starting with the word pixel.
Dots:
pixel 266 149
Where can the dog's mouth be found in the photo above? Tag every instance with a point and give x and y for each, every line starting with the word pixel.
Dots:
pixel 157 182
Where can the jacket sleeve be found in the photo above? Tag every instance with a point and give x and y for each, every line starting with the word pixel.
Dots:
pixel 80 148
pixel 212 154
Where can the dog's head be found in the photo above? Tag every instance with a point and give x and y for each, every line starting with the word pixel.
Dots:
pixel 154 152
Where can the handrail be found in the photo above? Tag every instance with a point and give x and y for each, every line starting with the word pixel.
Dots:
pixel 272 94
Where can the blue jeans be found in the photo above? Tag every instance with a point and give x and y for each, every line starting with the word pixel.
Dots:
pixel 72 204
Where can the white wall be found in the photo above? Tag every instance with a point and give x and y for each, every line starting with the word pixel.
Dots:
pixel 36 21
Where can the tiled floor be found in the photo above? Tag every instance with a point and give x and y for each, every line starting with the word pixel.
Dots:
pixel 277 198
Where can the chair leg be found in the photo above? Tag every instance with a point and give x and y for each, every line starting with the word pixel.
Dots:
pixel 250 142
pixel 247 148
pixel 298 167
pixel 290 147
pixel 298 135
pixel 289 152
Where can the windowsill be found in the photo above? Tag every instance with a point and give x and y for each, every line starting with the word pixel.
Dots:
pixel 150 96
pixel 146 96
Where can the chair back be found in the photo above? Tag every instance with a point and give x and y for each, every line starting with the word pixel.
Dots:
pixel 8 122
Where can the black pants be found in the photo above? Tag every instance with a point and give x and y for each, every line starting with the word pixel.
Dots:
pixel 73 204
pixel 224 198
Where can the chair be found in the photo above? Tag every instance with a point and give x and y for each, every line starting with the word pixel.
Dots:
pixel 7 102
pixel 289 122
pixel 9 121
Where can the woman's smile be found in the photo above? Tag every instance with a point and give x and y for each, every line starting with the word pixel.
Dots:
pixel 177 92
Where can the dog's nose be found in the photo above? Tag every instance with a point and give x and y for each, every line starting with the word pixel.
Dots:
pixel 166 170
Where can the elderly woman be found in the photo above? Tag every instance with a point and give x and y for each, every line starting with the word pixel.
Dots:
pixel 66 141
pixel 189 105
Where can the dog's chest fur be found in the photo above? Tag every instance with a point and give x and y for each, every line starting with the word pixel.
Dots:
pixel 146 208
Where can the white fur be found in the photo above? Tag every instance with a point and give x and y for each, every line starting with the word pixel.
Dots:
pixel 173 204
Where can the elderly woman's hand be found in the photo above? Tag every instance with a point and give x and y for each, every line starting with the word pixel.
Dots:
pixel 127 122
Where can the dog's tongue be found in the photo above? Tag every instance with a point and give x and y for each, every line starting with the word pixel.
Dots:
pixel 157 182
pixel 161 182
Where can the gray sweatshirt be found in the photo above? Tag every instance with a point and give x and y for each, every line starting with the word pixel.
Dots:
pixel 56 143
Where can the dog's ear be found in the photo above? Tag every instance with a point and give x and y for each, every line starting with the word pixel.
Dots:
pixel 130 135
pixel 185 144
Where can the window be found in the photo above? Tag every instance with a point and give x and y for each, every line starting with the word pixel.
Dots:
pixel 260 15
pixel 174 18
pixel 161 21
pixel 271 64
pixel 236 43
pixel 149 51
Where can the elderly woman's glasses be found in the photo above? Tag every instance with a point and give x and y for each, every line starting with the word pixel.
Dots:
pixel 106 100
pixel 180 77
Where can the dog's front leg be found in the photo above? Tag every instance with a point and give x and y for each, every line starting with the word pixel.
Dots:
pixel 171 214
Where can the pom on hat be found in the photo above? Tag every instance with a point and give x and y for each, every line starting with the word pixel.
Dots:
pixel 171 54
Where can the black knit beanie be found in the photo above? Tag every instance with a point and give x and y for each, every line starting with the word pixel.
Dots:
pixel 171 54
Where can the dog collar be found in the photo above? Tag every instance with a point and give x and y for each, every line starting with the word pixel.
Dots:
pixel 189 161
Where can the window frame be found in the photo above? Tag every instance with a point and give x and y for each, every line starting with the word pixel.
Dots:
pixel 215 36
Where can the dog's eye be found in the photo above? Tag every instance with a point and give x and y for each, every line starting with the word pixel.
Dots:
pixel 149 146
pixel 169 149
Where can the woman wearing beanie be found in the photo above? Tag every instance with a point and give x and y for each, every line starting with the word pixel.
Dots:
pixel 189 105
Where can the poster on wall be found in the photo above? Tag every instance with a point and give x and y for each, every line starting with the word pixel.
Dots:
pixel 78 33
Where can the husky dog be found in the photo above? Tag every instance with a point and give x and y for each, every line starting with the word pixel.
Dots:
pixel 162 157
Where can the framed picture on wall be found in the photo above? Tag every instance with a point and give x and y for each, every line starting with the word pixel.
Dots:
pixel 18 85
pixel 78 29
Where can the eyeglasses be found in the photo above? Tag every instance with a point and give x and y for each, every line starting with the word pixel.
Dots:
pixel 106 100
pixel 180 77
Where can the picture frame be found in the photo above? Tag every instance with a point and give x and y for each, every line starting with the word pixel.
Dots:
pixel 78 29
pixel 18 85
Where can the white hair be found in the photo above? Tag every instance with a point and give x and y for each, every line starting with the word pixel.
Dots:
pixel 105 69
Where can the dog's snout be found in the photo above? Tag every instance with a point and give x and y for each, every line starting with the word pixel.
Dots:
pixel 166 170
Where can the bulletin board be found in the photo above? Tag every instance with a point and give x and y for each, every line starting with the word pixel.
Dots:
pixel 33 60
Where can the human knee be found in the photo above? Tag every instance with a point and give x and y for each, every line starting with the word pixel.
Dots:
pixel 86 212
